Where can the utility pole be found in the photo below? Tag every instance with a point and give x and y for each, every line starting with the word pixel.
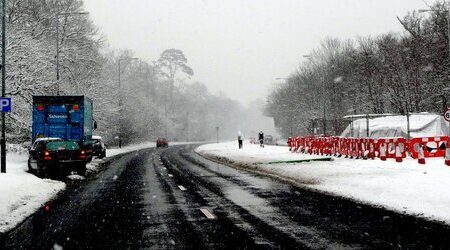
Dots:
pixel 324 107
pixel 3 139
pixel 324 120
pixel 367 126
pixel 351 128
pixel 444 99
pixel 217 133
pixel 120 111
pixel 408 132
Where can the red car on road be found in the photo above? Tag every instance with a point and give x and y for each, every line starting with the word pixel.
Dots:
pixel 162 142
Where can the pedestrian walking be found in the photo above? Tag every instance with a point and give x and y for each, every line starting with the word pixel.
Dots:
pixel 261 139
pixel 240 138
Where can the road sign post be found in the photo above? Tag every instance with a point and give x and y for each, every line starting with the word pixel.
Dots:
pixel 447 147
pixel 5 107
pixel 447 118
pixel 3 136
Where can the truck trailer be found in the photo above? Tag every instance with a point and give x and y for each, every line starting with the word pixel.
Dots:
pixel 65 117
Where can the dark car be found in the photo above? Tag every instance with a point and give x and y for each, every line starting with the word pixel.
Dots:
pixel 98 147
pixel 162 142
pixel 56 157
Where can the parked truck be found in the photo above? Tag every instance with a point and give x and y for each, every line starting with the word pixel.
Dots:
pixel 66 118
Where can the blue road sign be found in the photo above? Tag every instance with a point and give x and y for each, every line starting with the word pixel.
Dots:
pixel 5 104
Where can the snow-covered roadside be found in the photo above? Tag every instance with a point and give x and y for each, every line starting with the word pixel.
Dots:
pixel 405 187
pixel 251 153
pixel 22 193
pixel 116 151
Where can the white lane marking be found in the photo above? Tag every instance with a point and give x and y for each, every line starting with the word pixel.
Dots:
pixel 170 175
pixel 182 188
pixel 207 213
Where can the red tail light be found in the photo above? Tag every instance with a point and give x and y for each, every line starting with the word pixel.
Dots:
pixel 82 154
pixel 47 156
pixel 40 107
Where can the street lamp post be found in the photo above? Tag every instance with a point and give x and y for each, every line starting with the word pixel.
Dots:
pixel 57 42
pixel 217 134
pixel 120 98
pixel 3 138
pixel 324 118
pixel 408 130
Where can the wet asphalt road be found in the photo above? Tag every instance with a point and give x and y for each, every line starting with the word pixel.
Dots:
pixel 172 198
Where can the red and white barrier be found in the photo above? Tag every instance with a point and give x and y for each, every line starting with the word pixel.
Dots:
pixel 367 148
pixel 433 146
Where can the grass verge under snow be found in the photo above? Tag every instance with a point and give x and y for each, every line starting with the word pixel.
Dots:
pixel 422 190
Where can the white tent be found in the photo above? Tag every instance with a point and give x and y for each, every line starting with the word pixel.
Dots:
pixel 421 125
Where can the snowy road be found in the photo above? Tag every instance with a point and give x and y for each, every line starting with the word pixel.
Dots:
pixel 173 198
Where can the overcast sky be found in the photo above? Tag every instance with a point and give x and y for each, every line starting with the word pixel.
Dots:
pixel 239 47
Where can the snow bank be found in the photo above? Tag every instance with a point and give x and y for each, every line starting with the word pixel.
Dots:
pixel 138 146
pixel 251 153
pixel 22 193
pixel 404 187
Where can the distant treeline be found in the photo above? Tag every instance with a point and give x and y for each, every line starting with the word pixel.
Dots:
pixel 391 73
